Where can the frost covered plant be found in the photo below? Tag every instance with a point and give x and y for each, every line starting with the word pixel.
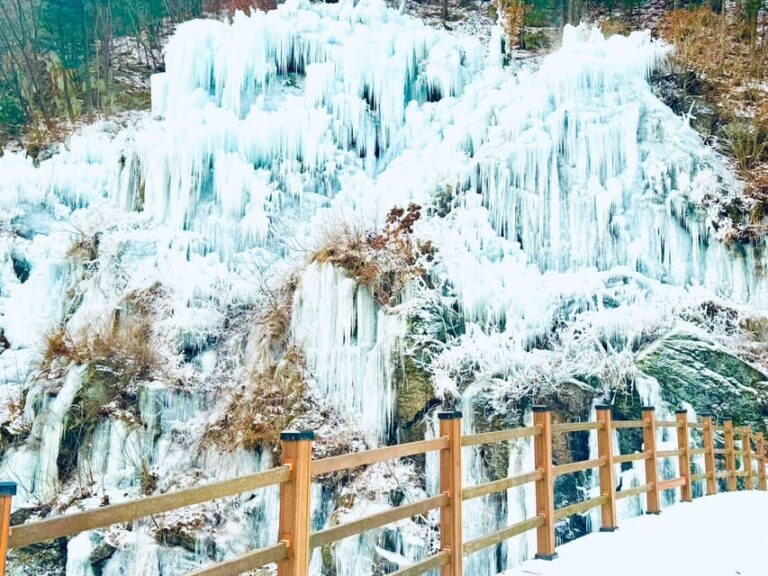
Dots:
pixel 124 343
pixel 383 261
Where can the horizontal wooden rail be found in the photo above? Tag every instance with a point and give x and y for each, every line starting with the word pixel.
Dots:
pixel 668 453
pixel 500 436
pixel 435 561
pixel 667 424
pixel 621 458
pixel 577 466
pixel 699 477
pixel 247 562
pixel 500 535
pixel 71 524
pixel 621 424
pixel 580 507
pixel 636 491
pixel 576 427
pixel 294 476
pixel 500 485
pixel 672 483
pixel 334 533
pixel 355 459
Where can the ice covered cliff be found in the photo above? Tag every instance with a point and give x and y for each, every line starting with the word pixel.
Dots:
pixel 567 208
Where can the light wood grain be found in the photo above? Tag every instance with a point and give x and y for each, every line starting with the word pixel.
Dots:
pixel 545 493
pixel 500 436
pixel 580 507
pixel 335 533
pixel 636 491
pixel 247 562
pixel 622 424
pixel 417 568
pixel 575 427
pixel 621 458
pixel 652 462
pixel 355 459
pixel 71 524
pixel 451 523
pixel 500 485
pixel 501 535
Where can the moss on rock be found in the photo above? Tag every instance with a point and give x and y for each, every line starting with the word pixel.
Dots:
pixel 691 368
pixel 415 395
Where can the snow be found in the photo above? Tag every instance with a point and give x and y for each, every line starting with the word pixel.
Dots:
pixel 718 535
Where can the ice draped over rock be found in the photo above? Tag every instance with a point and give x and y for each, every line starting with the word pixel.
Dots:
pixel 568 186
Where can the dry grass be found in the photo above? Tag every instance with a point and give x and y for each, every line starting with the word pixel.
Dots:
pixel 728 59
pixel 124 347
pixel 261 409
pixel 381 261
pixel 123 342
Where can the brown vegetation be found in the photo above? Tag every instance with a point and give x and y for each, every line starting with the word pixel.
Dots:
pixel 123 346
pixel 382 261
pixel 512 14
pixel 266 405
pixel 723 59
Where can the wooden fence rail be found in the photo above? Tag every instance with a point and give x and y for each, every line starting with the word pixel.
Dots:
pixel 296 472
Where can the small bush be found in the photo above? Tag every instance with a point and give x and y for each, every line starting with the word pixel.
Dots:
pixel 258 412
pixel 382 261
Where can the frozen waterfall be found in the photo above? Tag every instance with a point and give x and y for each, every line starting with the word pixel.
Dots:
pixel 573 195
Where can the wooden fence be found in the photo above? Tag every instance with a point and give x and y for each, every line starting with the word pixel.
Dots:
pixel 296 540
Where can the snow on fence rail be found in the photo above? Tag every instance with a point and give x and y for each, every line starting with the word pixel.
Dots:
pixel 294 476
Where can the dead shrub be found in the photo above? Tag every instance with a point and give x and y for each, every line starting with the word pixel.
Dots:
pixel 258 412
pixel 382 261
pixel 122 343
pixel 726 60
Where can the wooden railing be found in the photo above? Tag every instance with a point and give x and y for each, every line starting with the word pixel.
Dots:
pixel 295 475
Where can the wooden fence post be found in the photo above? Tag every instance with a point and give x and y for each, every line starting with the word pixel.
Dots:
pixel 545 488
pixel 652 461
pixel 709 455
pixel 730 457
pixel 450 483
pixel 295 502
pixel 607 484
pixel 746 446
pixel 761 475
pixel 684 459
pixel 7 492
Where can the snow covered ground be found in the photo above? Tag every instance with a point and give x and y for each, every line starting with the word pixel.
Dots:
pixel 721 535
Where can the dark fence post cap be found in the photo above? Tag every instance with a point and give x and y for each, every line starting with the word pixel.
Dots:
pixel 540 408
pixel 453 415
pixel 648 408
pixel 603 407
pixel 681 411
pixel 294 435
pixel 705 414
pixel 7 488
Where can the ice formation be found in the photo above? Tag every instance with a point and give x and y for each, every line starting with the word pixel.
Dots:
pixel 574 194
